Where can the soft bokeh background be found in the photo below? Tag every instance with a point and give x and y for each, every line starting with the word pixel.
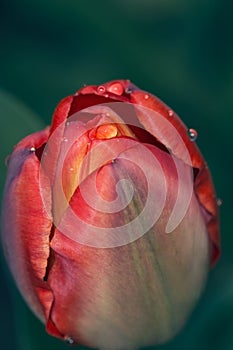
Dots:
pixel 182 51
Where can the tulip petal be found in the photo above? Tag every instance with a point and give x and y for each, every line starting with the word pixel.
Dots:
pixel 133 295
pixel 26 224
pixel 61 112
pixel 150 117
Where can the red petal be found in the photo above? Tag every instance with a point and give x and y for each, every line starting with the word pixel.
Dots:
pixel 61 112
pixel 203 185
pixel 123 290
pixel 26 224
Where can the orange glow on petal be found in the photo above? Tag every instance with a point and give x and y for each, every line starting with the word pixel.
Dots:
pixel 106 131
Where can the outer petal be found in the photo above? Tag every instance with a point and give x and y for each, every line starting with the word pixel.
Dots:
pixel 203 184
pixel 26 226
pixel 134 295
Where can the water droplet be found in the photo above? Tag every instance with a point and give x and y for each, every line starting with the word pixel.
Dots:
pixel 68 340
pixel 116 88
pixel 101 89
pixel 146 97
pixel 128 90
pixel 192 134
pixel 65 139
pixel 71 169
pixel 219 202
pixel 32 149
pixel 170 113
pixel 106 131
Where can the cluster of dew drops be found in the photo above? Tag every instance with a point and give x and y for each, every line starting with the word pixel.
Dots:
pixel 118 89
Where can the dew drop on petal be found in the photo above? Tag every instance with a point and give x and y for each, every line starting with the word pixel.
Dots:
pixel 101 89
pixel 146 96
pixel 68 340
pixel 65 139
pixel 116 88
pixel 128 90
pixel 192 134
pixel 170 113
pixel 32 149
pixel 106 131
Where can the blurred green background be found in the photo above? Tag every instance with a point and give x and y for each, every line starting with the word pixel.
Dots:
pixel 182 51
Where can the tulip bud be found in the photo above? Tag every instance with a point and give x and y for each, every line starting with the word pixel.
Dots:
pixel 110 219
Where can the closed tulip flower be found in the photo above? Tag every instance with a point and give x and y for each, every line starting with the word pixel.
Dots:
pixel 110 219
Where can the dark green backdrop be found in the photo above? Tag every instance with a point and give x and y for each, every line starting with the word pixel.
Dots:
pixel 182 51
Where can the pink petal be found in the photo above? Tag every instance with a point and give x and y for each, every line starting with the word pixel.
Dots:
pixel 133 295
pixel 26 225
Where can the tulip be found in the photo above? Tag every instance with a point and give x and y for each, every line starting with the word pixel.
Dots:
pixel 110 219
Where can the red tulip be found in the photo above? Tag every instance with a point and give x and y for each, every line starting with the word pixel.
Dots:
pixel 110 220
